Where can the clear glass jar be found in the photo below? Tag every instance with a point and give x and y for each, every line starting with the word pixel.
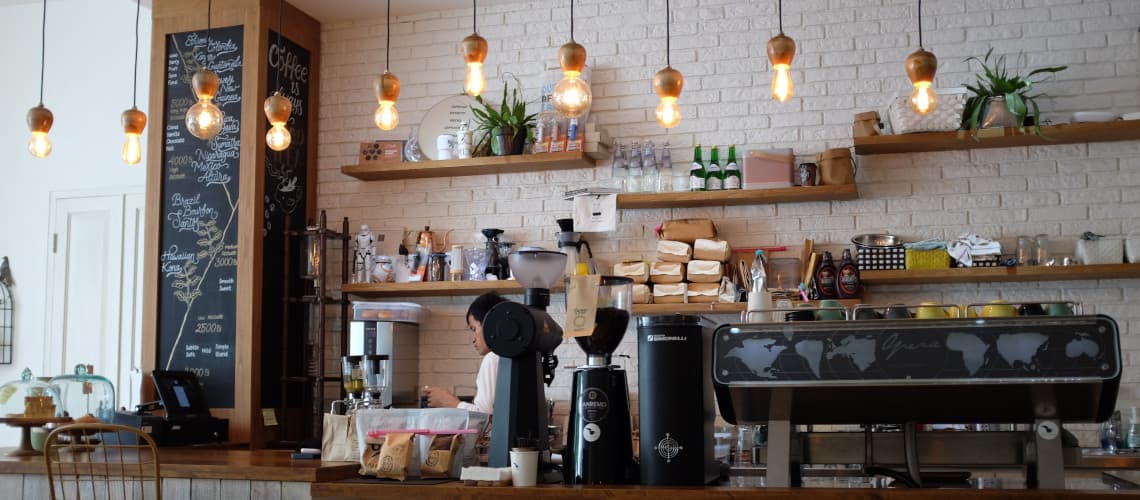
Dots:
pixel 1026 251
pixel 85 395
pixel 1041 244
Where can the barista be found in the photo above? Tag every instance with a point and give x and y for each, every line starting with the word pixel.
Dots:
pixel 439 397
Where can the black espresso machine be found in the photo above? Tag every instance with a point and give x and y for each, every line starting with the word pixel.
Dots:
pixel 1037 371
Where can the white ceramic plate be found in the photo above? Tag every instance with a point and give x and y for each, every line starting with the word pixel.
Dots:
pixel 444 118
pixel 1093 116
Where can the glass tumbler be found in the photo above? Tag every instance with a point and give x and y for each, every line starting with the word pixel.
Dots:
pixel 1026 251
pixel 1041 244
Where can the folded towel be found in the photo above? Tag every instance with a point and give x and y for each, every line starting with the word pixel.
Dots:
pixel 970 245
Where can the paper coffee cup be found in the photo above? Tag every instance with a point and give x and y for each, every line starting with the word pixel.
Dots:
pixel 524 466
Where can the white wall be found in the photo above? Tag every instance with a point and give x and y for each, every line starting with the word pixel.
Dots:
pixel 90 47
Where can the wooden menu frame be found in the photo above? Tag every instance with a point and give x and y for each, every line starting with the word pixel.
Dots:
pixel 258 18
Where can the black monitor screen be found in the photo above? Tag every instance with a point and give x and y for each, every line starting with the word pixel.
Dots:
pixel 181 393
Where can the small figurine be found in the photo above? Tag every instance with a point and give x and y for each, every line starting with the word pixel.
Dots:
pixel 463 141
pixel 364 251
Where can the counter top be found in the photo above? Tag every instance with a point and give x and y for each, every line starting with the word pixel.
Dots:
pixel 214 463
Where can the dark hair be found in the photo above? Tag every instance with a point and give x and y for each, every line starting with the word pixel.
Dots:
pixel 483 304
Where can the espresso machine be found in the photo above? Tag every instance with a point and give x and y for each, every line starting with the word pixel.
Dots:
pixel 599 443
pixel 524 336
pixel 571 243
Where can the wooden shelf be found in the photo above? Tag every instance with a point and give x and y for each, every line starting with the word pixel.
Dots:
pixel 710 308
pixel 1000 274
pixel 471 166
pixel 737 197
pixel 1121 130
pixel 430 289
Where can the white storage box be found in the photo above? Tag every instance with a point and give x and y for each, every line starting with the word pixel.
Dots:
pixel 1108 250
pixel 403 312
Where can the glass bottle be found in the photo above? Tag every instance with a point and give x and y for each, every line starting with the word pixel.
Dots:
pixel 697 173
pixel 651 180
pixel 715 177
pixel 1132 435
pixel 619 174
pixel 634 183
pixel 732 178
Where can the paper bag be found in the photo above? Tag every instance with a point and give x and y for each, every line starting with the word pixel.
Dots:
pixel 636 271
pixel 642 294
pixel 667 272
pixel 581 306
pixel 673 251
pixel 686 230
pixel 703 292
pixel 704 271
pixel 711 250
pixel 338 439
pixel 669 294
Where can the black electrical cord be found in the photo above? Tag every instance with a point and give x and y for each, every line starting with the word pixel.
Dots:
pixel 571 20
pixel 388 42
pixel 920 24
pixel 280 49
pixel 668 18
pixel 135 95
pixel 43 50
pixel 209 29
pixel 473 7
pixel 780 14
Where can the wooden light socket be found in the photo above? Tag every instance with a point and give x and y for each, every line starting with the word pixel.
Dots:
pixel 668 82
pixel 387 87
pixel 134 121
pixel 40 119
pixel 277 108
pixel 921 66
pixel 205 84
pixel 572 57
pixel 781 50
pixel 474 48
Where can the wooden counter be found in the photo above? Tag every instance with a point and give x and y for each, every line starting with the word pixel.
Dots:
pixel 213 463
pixel 344 490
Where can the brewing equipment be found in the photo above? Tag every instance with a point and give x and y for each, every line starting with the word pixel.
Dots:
pixel 599 436
pixel 1042 371
pixel 571 243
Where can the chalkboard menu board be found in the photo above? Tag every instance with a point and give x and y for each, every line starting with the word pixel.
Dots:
pixel 198 246
pixel 286 183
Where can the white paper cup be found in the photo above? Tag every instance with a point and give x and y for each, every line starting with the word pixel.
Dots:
pixel 524 466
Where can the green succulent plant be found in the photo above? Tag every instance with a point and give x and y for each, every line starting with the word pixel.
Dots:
pixel 508 114
pixel 995 80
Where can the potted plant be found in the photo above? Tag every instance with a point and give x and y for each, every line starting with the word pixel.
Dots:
pixel 504 129
pixel 1001 99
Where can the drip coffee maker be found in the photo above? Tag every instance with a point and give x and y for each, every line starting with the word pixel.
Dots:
pixel 571 243
pixel 599 437
pixel 524 336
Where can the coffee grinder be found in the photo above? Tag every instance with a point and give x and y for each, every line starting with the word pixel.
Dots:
pixel 571 243
pixel 599 437
pixel 524 336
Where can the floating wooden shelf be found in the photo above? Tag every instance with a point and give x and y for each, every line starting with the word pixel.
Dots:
pixel 1000 274
pixel 1121 130
pixel 470 166
pixel 737 197
pixel 711 308
pixel 430 289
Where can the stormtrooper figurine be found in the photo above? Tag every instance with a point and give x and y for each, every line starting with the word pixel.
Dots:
pixel 363 255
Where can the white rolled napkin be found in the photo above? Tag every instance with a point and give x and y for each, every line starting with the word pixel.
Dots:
pixel 711 250
pixel 642 294
pixel 637 271
pixel 667 272
pixel 704 271
pixel 674 251
pixel 669 293
pixel 703 292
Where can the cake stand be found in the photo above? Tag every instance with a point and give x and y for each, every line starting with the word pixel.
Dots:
pixel 25 424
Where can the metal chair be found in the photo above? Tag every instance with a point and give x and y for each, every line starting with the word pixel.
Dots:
pixel 102 461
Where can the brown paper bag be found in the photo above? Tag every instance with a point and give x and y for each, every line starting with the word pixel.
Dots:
pixel 667 272
pixel 581 306
pixel 441 453
pixel 669 294
pixel 704 271
pixel 395 456
pixel 836 167
pixel 642 294
pixel 674 251
pixel 717 250
pixel 703 292
pixel 638 271
pixel 686 230
pixel 866 124
pixel 338 438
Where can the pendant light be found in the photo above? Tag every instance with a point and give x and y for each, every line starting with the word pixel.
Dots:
pixel 920 67
pixel 134 121
pixel 571 96
pixel 277 107
pixel 387 87
pixel 781 50
pixel 668 83
pixel 204 119
pixel 39 117
pixel 474 53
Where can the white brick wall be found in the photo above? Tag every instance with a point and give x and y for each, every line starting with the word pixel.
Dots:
pixel 850 59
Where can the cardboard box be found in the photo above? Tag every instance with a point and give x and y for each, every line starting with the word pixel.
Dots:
pixel 381 152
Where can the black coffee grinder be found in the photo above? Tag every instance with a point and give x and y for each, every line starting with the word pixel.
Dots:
pixel 599 436
pixel 524 336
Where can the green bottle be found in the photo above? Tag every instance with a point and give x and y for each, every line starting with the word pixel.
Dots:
pixel 732 179
pixel 697 173
pixel 715 179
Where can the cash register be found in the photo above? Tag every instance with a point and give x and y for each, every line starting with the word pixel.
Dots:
pixel 187 418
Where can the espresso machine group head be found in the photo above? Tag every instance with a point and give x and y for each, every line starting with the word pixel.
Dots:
pixel 523 335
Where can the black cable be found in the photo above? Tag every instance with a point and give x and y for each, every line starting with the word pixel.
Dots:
pixel 135 95
pixel 780 14
pixel 43 50
pixel 280 49
pixel 920 24
pixel 474 29
pixel 388 42
pixel 209 9
pixel 571 20
pixel 667 20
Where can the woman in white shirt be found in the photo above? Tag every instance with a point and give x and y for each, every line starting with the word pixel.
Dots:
pixel 439 397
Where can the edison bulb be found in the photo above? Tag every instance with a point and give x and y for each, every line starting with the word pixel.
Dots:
pixel 40 145
pixel 204 119
pixel 781 83
pixel 132 150
pixel 476 82
pixel 668 112
pixel 571 96
pixel 923 99
pixel 386 115
pixel 278 137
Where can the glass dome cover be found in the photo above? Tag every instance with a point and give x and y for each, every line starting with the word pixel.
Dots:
pixel 29 395
pixel 85 395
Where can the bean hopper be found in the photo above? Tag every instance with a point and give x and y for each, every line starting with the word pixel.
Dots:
pixel 524 336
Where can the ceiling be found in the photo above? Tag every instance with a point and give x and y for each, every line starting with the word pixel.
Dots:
pixel 327 11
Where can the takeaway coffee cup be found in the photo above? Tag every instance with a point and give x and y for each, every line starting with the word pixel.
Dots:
pixel 443 145
pixel 524 466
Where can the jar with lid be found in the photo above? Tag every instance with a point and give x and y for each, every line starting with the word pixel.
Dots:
pixel 30 397
pixel 86 395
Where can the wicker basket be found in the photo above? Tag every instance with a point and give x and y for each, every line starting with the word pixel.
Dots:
pixel 927 259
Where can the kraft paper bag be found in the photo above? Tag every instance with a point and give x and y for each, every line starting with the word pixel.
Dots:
pixel 637 271
pixel 667 272
pixel 642 294
pixel 703 292
pixel 338 439
pixel 674 251
pixel 686 230
pixel 704 271
pixel 669 294
pixel 711 250
pixel 581 306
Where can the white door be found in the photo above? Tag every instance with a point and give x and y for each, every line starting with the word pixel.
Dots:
pixel 94 288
